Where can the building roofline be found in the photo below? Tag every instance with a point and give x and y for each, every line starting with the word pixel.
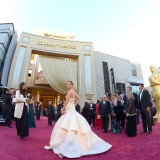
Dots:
pixel 8 23
pixel 117 57
pixel 71 40
pixel 111 55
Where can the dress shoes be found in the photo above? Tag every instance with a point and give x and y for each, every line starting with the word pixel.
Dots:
pixel 143 132
pixel 149 132
pixel 105 132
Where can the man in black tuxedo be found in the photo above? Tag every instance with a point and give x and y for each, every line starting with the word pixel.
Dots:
pixel 92 108
pixel 105 112
pixel 38 109
pixel 144 104
pixel 59 107
pixel 50 113
pixel 8 106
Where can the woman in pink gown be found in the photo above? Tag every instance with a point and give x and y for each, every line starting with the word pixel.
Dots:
pixel 72 136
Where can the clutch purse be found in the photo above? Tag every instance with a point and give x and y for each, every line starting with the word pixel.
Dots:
pixel 98 117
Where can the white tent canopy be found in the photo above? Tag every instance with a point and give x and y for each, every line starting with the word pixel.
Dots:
pixel 58 71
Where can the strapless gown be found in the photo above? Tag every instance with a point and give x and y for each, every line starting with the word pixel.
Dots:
pixel 72 136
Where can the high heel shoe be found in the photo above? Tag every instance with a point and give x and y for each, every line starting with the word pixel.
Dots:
pixel 61 155
pixel 47 148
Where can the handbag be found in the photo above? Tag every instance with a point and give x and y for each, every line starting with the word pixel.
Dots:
pixel 98 117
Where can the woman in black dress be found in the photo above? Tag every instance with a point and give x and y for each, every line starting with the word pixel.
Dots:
pixel 86 112
pixel 131 114
pixel 21 111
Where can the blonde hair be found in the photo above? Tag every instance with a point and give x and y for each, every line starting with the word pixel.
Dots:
pixel 130 95
pixel 114 94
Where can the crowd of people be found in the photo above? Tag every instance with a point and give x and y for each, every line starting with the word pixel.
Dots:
pixel 113 113
pixel 20 107
pixel 124 111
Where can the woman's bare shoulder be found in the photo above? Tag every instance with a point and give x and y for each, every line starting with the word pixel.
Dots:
pixel 72 93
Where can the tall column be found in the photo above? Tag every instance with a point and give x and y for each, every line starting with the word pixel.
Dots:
pixel 38 96
pixel 88 75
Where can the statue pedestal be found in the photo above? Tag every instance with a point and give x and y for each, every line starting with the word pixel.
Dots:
pixel 156 119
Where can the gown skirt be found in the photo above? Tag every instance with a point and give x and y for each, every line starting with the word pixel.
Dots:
pixel 31 120
pixel 131 127
pixel 72 136
pixel 22 123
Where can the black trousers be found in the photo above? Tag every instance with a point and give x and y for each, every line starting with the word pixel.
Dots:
pixel 8 118
pixel 50 118
pixel 138 117
pixel 105 121
pixel 38 115
pixel 122 119
pixel 146 119
pixel 93 117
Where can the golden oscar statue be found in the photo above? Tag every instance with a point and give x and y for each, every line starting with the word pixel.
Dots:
pixel 154 80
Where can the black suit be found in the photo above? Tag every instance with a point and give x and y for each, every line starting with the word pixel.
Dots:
pixel 8 108
pixel 105 111
pixel 38 108
pixel 59 107
pixel 92 108
pixel 143 103
pixel 86 113
pixel 50 114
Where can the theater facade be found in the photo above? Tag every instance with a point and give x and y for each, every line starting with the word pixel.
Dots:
pixel 46 62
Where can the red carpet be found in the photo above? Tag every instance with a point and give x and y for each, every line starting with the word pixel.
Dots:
pixel 142 147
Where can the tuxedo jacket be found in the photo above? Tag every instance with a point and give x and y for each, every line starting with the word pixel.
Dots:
pixel 7 99
pixel 59 107
pixel 145 101
pixel 92 109
pixel 50 110
pixel 38 109
pixel 104 109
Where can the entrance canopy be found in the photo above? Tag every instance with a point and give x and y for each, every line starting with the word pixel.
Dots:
pixel 59 70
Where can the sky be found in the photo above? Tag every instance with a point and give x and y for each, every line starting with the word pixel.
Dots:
pixel 128 29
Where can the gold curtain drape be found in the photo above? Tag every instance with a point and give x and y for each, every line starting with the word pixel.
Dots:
pixel 58 71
